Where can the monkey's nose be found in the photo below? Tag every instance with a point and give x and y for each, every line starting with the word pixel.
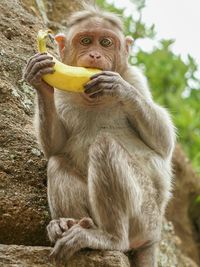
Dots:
pixel 95 55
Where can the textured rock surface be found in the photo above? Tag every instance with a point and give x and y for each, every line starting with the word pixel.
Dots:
pixel 186 188
pixel 23 204
pixel 39 257
pixel 170 255
pixel 23 201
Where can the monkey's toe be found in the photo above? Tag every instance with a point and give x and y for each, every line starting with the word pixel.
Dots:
pixel 66 223
pixel 86 223
pixel 56 228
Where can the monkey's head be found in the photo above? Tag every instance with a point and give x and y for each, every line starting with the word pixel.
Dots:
pixel 95 39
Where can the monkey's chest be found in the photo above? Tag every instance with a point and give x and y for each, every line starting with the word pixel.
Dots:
pixel 85 133
pixel 87 126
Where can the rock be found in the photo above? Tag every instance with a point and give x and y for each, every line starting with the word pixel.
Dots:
pixel 186 188
pixel 23 202
pixel 170 255
pixel 22 256
pixel 27 256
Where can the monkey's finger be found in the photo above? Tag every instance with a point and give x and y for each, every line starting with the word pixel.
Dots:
pixel 106 73
pixel 59 247
pixel 98 80
pixel 86 223
pixel 67 251
pixel 54 233
pixel 37 57
pixel 98 88
pixel 97 95
pixel 40 84
pixel 35 61
pixel 72 244
pixel 32 79
pixel 110 92
pixel 66 223
pixel 54 230
pixel 37 73
pixel 93 91
pixel 41 65
pixel 71 222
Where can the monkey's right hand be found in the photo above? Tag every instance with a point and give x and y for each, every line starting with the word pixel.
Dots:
pixel 36 67
pixel 56 228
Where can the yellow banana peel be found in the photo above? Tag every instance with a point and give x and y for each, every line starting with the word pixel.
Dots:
pixel 65 77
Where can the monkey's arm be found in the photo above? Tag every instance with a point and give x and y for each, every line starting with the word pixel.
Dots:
pixel 50 130
pixel 151 121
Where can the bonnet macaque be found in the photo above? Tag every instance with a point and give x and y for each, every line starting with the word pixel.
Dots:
pixel 109 148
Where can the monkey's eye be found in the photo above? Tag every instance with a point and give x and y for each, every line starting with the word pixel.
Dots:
pixel 106 42
pixel 86 41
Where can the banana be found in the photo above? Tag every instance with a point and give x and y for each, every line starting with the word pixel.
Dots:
pixel 65 77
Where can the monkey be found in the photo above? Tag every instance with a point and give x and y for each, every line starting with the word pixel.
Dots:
pixel 109 148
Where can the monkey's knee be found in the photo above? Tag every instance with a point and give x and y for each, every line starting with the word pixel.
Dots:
pixel 87 223
pixel 111 174
pixel 104 173
pixel 55 164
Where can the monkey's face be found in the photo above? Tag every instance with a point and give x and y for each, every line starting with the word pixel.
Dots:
pixel 94 46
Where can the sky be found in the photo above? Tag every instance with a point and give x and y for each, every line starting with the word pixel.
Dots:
pixel 173 19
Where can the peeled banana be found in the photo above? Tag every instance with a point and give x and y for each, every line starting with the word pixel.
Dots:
pixel 65 77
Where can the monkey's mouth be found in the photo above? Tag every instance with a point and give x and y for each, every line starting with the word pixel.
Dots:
pixel 93 65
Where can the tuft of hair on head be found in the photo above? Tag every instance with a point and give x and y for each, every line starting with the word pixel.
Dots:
pixel 92 11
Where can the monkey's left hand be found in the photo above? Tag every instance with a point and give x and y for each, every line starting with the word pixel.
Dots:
pixel 72 241
pixel 106 83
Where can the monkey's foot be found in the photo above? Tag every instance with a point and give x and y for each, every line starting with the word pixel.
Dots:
pixel 71 241
pixel 86 223
pixel 56 228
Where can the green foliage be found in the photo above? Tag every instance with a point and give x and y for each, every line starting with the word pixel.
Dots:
pixel 165 72
pixel 133 27
pixel 169 77
pixel 173 82
pixel 197 200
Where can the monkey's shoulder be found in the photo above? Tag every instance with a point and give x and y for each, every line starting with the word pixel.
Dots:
pixel 135 77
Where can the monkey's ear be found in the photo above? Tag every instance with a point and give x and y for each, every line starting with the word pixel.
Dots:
pixel 60 39
pixel 129 41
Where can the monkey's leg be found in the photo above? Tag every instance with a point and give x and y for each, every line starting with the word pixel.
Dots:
pixel 67 196
pixel 114 193
pixel 116 196
pixel 146 257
